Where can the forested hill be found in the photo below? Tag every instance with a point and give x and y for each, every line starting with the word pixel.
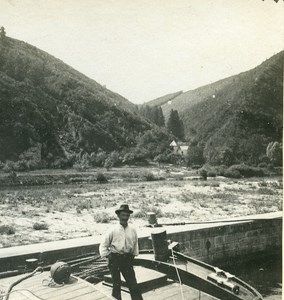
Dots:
pixel 48 106
pixel 240 114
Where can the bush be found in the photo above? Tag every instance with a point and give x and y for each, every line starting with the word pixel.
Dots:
pixel 203 174
pixel 7 229
pixel 278 170
pixel 227 156
pixel 40 226
pixel 101 178
pixel 32 165
pixel 211 173
pixel 195 167
pixel 136 156
pixel 264 158
pixel 247 171
pixel 142 213
pixel 83 205
pixel 266 191
pixel 194 155
pixel 59 163
pixel 221 170
pixel 103 217
pixel 109 163
pixel 262 165
pixel 80 167
pixel 232 173
pixel 149 176
pixel 161 158
pixel 8 166
pixel 274 153
pixel 20 166
pixel 12 176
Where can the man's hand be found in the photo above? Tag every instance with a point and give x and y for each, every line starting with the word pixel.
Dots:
pixel 131 259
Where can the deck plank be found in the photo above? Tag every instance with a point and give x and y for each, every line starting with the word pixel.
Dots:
pixel 93 296
pixel 22 295
pixel 50 291
pixel 70 294
pixel 75 289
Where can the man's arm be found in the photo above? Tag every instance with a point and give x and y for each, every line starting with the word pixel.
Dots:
pixel 105 245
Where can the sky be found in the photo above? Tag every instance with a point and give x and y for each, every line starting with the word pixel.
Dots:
pixel 144 49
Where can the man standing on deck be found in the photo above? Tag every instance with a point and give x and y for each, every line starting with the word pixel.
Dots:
pixel 120 245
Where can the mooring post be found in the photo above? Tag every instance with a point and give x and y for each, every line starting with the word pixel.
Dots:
pixel 152 219
pixel 160 245
pixel 31 264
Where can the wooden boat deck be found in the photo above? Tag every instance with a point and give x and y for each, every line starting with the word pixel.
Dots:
pixel 154 285
pixel 157 280
pixel 33 288
pixel 170 291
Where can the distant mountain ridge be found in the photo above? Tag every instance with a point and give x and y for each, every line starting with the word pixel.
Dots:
pixel 47 105
pixel 242 112
pixel 164 99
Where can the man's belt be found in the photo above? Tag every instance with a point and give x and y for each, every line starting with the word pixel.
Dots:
pixel 121 254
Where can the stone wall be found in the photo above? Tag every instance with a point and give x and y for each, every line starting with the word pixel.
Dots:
pixel 219 245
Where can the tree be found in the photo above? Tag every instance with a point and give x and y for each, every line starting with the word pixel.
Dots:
pixel 154 141
pixel 274 153
pixel 154 114
pixel 227 157
pixel 194 155
pixel 160 117
pixel 109 163
pixel 3 38
pixel 160 158
pixel 2 33
pixel 175 125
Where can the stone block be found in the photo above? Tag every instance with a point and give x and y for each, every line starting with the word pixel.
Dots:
pixel 251 233
pixel 219 240
pixel 195 244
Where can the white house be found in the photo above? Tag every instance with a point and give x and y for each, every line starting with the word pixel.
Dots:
pixel 179 147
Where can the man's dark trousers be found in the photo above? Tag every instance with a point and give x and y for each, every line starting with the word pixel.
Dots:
pixel 123 263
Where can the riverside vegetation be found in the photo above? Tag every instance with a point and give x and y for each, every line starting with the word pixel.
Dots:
pixel 61 211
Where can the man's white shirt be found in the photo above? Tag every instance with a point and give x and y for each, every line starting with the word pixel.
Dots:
pixel 120 240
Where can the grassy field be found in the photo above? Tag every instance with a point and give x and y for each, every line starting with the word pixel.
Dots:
pixel 55 212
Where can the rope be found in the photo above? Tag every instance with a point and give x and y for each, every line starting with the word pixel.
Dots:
pixel 20 280
pixel 180 283
pixel 51 283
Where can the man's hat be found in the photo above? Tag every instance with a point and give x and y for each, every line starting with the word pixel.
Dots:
pixel 124 207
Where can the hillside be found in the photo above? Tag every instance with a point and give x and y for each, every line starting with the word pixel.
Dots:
pixel 242 113
pixel 164 99
pixel 50 110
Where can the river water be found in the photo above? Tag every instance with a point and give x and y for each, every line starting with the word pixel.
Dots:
pixel 263 274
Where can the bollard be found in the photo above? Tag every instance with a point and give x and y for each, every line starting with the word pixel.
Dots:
pixel 152 220
pixel 31 263
pixel 160 245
